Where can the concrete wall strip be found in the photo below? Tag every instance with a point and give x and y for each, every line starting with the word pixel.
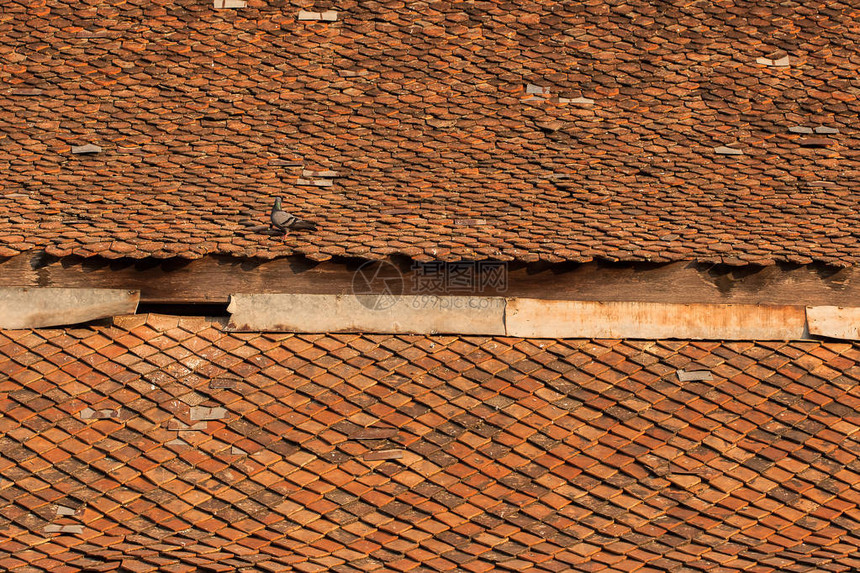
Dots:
pixel 514 317
pixel 367 313
pixel 586 319
pixel 25 307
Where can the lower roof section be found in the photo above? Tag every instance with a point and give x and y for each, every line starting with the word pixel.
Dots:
pixel 516 130
pixel 164 442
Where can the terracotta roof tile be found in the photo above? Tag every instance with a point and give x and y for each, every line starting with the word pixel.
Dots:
pixel 612 156
pixel 356 466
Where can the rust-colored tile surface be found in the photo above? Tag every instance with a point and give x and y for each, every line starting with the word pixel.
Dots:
pixel 191 449
pixel 719 131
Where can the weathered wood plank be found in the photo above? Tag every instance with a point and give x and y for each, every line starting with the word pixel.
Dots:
pixel 834 322
pixel 533 318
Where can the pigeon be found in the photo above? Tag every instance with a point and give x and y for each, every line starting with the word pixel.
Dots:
pixel 284 221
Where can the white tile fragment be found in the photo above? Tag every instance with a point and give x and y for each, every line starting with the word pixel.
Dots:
pixel 328 16
pixel 723 150
pixel 63 510
pixel 576 100
pixel 230 4
pixel 305 15
pixel 780 63
pixel 204 413
pixel 86 149
pixel 694 375
pixel 53 528
pixel 319 173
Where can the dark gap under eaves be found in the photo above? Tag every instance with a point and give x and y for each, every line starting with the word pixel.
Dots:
pixel 190 309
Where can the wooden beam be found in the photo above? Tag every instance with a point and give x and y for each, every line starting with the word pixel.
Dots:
pixel 213 279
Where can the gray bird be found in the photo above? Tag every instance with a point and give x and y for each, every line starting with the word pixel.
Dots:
pixel 284 221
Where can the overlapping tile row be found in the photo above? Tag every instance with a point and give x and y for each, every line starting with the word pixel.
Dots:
pixel 168 444
pixel 721 131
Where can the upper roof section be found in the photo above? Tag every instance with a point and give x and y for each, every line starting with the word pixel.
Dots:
pixel 451 130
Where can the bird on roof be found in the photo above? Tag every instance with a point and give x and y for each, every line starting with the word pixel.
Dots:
pixel 283 221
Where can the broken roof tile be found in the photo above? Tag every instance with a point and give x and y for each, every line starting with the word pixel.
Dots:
pixel 815 142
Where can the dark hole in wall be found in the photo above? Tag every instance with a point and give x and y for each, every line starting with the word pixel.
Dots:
pixel 198 309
